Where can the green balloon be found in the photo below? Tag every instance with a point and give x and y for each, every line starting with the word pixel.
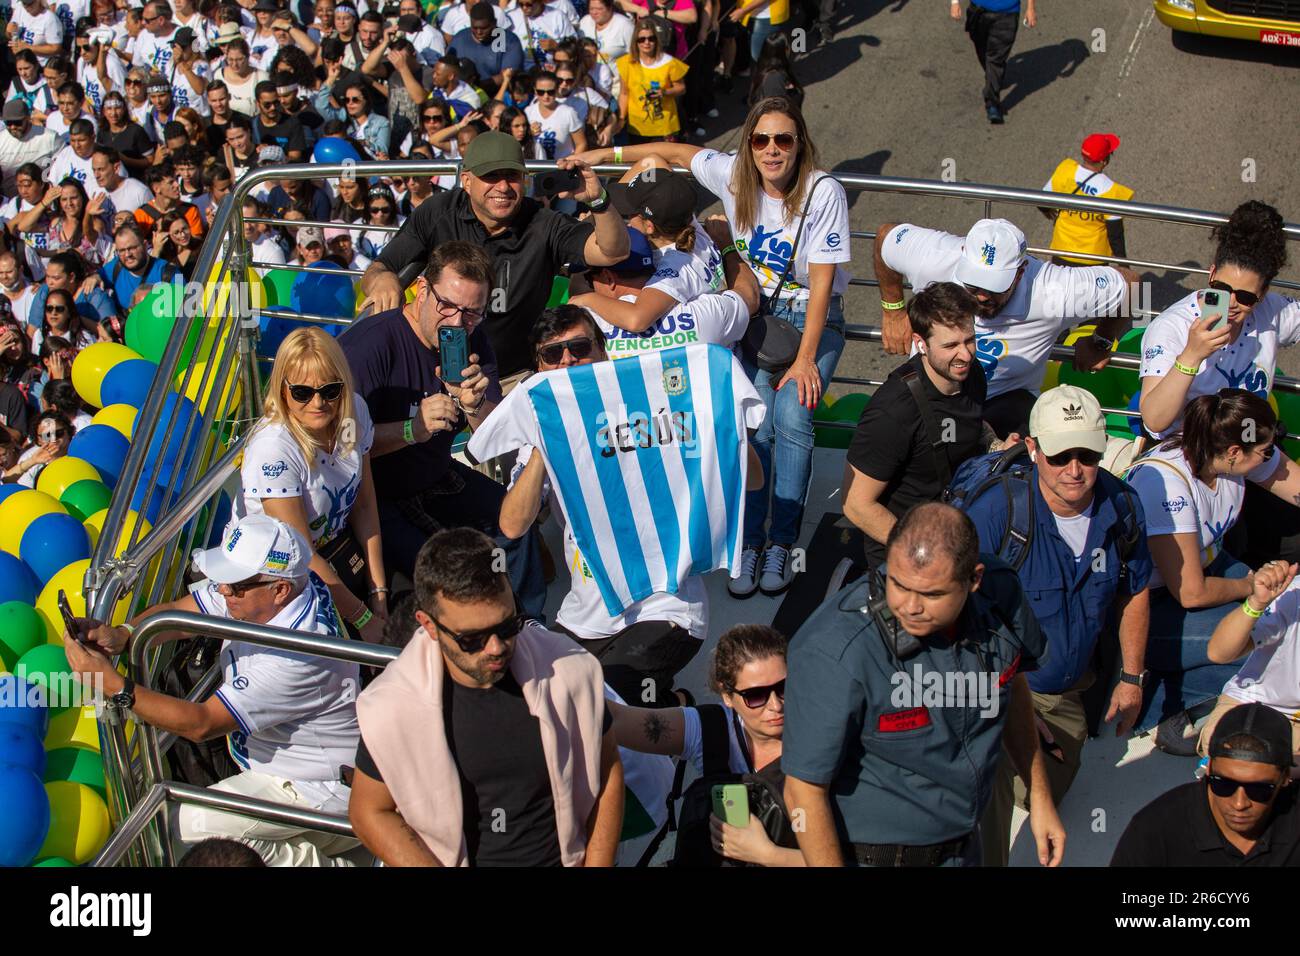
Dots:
pixel 21 629
pixel 559 292
pixel 84 498
pixel 40 664
pixel 278 284
pixel 150 323
pixel 78 766
pixel 54 861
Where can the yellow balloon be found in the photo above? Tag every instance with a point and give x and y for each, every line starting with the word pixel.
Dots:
pixel 95 524
pixel 77 727
pixel 70 581
pixel 92 364
pixel 230 394
pixel 62 473
pixel 118 417
pixel 19 510
pixel 79 825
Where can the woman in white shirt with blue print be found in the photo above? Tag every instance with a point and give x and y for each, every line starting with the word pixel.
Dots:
pixel 307 463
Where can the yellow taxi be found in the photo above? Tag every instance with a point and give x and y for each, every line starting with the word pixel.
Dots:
pixel 1275 22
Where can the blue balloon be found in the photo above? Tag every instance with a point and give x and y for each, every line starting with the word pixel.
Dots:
pixel 51 543
pixel 10 488
pixel 22 704
pixel 26 819
pixel 127 383
pixel 17 583
pixel 104 447
pixel 315 293
pixel 169 455
pixel 21 748
pixel 334 149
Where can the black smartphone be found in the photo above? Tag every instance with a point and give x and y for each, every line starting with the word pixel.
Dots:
pixel 558 181
pixel 69 619
pixel 453 353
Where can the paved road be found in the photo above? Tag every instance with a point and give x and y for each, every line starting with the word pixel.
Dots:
pixel 898 93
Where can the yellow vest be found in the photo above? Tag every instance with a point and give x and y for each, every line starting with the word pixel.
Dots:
pixel 1083 231
pixel 780 10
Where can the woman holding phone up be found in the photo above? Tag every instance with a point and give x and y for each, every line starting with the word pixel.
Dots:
pixel 778 203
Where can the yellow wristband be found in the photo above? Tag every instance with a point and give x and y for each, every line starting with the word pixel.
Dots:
pixel 1186 369
pixel 893 306
pixel 1250 611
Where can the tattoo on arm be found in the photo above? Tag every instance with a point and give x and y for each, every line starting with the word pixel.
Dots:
pixel 655 728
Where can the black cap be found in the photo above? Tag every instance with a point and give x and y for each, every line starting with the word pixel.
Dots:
pixel 266 6
pixel 481 11
pixel 183 37
pixel 331 48
pixel 410 23
pixel 1268 729
pixel 659 195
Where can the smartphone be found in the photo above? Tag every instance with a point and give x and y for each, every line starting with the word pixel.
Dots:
pixel 731 804
pixel 453 353
pixel 1214 304
pixel 69 619
pixel 559 181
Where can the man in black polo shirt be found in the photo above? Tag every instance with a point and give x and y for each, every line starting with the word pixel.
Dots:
pixel 528 243
pixel 394 357
pixel 272 128
pixel 1242 814
pixel 924 421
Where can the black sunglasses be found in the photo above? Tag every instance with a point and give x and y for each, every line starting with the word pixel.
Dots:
pixel 56 309
pixel 240 588
pixel 1227 787
pixel 302 394
pixel 1087 457
pixel 579 348
pixel 1243 297
pixel 471 642
pixel 756 697
pixel 784 141
pixel 549 91
pixel 379 209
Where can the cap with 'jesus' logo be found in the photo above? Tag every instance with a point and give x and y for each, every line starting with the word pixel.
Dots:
pixel 1066 417
pixel 252 546
pixel 991 256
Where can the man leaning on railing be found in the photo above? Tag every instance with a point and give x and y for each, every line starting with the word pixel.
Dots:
pixel 291 719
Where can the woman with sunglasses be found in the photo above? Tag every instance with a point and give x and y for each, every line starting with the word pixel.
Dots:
pixel 367 127
pixel 62 320
pixel 51 433
pixel 748 671
pixel 381 210
pixel 651 83
pixel 1192 488
pixel 174 242
pixel 120 132
pixel 136 89
pixel 307 463
pixel 766 190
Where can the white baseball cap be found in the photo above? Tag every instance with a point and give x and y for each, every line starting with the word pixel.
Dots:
pixel 255 545
pixel 1066 417
pixel 991 256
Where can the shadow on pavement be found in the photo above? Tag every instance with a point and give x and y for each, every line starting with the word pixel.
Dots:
pixel 1037 69
pixel 873 164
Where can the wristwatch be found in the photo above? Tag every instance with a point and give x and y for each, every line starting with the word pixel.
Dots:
pixel 601 203
pixel 1137 680
pixel 125 698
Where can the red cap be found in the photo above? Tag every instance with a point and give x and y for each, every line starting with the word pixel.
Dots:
pixel 1098 146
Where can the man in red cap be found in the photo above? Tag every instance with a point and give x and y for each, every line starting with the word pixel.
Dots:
pixel 1088 232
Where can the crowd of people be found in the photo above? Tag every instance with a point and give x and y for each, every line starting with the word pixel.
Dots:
pixel 1023 580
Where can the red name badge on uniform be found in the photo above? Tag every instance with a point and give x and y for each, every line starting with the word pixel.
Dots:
pixel 901 720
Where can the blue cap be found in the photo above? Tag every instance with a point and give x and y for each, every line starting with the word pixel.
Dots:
pixel 640 258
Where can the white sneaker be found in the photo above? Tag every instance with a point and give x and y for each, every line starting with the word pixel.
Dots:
pixel 777 570
pixel 746 583
pixel 713 113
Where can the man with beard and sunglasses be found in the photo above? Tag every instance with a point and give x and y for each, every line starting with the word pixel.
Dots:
pixel 1242 814
pixel 1024 305
pixel 1084 569
pixel 487 742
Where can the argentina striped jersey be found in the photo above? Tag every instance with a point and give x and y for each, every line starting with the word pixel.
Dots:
pixel 647 459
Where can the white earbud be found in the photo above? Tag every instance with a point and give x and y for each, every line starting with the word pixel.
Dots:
pixel 1033 456
pixel 921 347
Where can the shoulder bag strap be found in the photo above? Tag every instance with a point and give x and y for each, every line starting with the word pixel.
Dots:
pixel 769 301
pixel 912 378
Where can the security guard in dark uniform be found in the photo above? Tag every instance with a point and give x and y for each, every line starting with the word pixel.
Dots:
pixel 896 705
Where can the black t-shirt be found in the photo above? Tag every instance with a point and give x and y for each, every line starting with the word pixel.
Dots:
pixel 1178 829
pixel 505 786
pixel 527 256
pixel 891 443
pixel 394 370
pixel 13 408
pixel 215 133
pixel 132 142
pixel 309 118
pixel 287 134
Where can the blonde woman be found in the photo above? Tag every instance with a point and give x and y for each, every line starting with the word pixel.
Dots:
pixel 307 463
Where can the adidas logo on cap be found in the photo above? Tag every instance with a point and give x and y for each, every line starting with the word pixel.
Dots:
pixel 1073 413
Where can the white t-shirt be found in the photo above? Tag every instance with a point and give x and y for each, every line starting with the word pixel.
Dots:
pixel 1014 345
pixel 550 24
pixel 555 141
pixel 583 611
pixel 717 318
pixel 1074 530
pixel 21 305
pixel 429 44
pixel 55 123
pixel 274 467
pixel 297 714
pixel 453 19
pixel 80 339
pixel 67 163
pixel 267 253
pixel 768 243
pixel 1271 675
pixel 1176 502
pixel 184 93
pixel 32 241
pixel 154 52
pixel 140 114
pixel 687 275
pixel 614 39
pixel 88 77
pixel 262 50
pixel 128 197
pixel 39 30
pixel 566 8
pixel 69 12
pixel 1247 363
pixel 693 741
pixel 39 98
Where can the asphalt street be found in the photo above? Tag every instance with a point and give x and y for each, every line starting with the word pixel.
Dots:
pixel 1204 123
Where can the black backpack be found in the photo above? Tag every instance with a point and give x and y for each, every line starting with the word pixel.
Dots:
pixel 694 847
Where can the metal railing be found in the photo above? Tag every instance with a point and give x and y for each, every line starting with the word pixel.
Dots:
pixel 183 456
